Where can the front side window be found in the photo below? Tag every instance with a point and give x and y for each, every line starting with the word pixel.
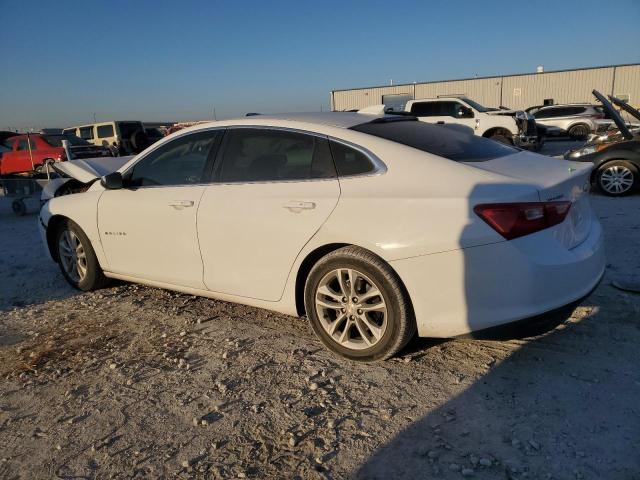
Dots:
pixel 23 145
pixel 451 109
pixel 182 161
pixel 86 133
pixel 258 155
pixel 105 131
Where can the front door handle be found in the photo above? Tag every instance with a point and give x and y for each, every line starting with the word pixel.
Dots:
pixel 297 207
pixel 180 204
pixel 440 122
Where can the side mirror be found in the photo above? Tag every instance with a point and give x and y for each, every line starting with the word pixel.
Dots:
pixel 465 112
pixel 113 181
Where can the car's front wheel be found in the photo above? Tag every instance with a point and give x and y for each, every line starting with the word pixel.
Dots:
pixel 77 259
pixel 357 305
pixel 579 132
pixel 617 178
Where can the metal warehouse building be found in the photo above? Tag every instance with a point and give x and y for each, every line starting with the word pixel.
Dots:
pixel 514 91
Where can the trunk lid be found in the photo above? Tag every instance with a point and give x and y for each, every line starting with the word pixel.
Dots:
pixel 556 181
pixel 89 169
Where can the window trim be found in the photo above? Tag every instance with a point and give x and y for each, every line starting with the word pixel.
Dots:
pixel 207 174
pixel 379 166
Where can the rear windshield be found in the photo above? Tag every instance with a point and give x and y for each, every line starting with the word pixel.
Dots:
pixel 56 140
pixel 441 140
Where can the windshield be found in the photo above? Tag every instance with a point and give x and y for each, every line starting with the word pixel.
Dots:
pixel 439 140
pixel 475 105
pixel 56 140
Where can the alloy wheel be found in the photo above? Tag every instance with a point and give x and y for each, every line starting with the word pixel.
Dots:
pixel 616 179
pixel 351 308
pixel 72 256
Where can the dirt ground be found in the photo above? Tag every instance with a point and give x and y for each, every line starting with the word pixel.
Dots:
pixel 135 382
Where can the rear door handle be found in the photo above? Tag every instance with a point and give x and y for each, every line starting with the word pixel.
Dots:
pixel 440 122
pixel 180 204
pixel 297 207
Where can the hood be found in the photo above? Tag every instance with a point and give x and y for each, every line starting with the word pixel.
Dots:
pixel 613 114
pixel 88 169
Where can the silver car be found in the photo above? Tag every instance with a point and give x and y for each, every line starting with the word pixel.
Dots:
pixel 577 120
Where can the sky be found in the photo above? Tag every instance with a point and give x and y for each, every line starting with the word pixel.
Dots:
pixel 65 61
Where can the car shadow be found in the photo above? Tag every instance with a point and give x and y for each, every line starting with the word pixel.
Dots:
pixel 553 409
pixel 556 402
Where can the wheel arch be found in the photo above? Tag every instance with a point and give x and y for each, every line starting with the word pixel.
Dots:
pixel 497 131
pixel 315 255
pixel 52 226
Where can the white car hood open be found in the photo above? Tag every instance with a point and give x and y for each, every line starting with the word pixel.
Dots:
pixel 89 169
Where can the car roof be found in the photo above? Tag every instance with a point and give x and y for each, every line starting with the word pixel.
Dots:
pixel 570 105
pixel 332 119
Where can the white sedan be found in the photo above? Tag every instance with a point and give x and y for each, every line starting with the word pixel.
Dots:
pixel 373 226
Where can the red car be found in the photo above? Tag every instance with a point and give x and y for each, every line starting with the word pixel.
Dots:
pixel 45 148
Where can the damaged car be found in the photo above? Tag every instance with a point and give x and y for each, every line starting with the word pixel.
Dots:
pixel 375 227
pixel 615 157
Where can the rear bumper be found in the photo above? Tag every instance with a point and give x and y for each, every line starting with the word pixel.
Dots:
pixel 462 291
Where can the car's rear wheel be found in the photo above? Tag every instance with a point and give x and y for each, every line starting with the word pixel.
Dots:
pixel 357 305
pixel 617 178
pixel 579 132
pixel 77 259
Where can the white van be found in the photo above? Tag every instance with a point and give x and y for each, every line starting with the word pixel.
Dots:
pixel 122 137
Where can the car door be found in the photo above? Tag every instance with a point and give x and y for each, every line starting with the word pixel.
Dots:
pixel 22 157
pixel 148 228
pixel 272 190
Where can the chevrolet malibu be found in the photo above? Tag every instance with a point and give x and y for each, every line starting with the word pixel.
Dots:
pixel 373 226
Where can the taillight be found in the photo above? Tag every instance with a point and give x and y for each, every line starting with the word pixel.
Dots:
pixel 513 220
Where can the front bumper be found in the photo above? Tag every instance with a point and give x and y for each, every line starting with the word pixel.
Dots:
pixel 462 291
pixel 525 140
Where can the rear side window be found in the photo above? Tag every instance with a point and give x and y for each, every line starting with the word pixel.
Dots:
pixel 105 131
pixel 438 140
pixel 350 161
pixel 69 131
pixel 182 161
pixel 86 133
pixel 258 155
pixel 426 109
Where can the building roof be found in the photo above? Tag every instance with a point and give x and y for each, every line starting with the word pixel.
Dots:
pixel 485 77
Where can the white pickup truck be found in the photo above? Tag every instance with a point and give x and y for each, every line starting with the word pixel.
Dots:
pixel 507 126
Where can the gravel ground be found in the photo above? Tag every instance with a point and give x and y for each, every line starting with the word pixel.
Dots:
pixel 136 382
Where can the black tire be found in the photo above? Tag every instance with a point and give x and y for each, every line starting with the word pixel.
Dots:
pixel 19 207
pixel 579 132
pixel 94 277
pixel 502 139
pixel 400 320
pixel 603 186
pixel 139 141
